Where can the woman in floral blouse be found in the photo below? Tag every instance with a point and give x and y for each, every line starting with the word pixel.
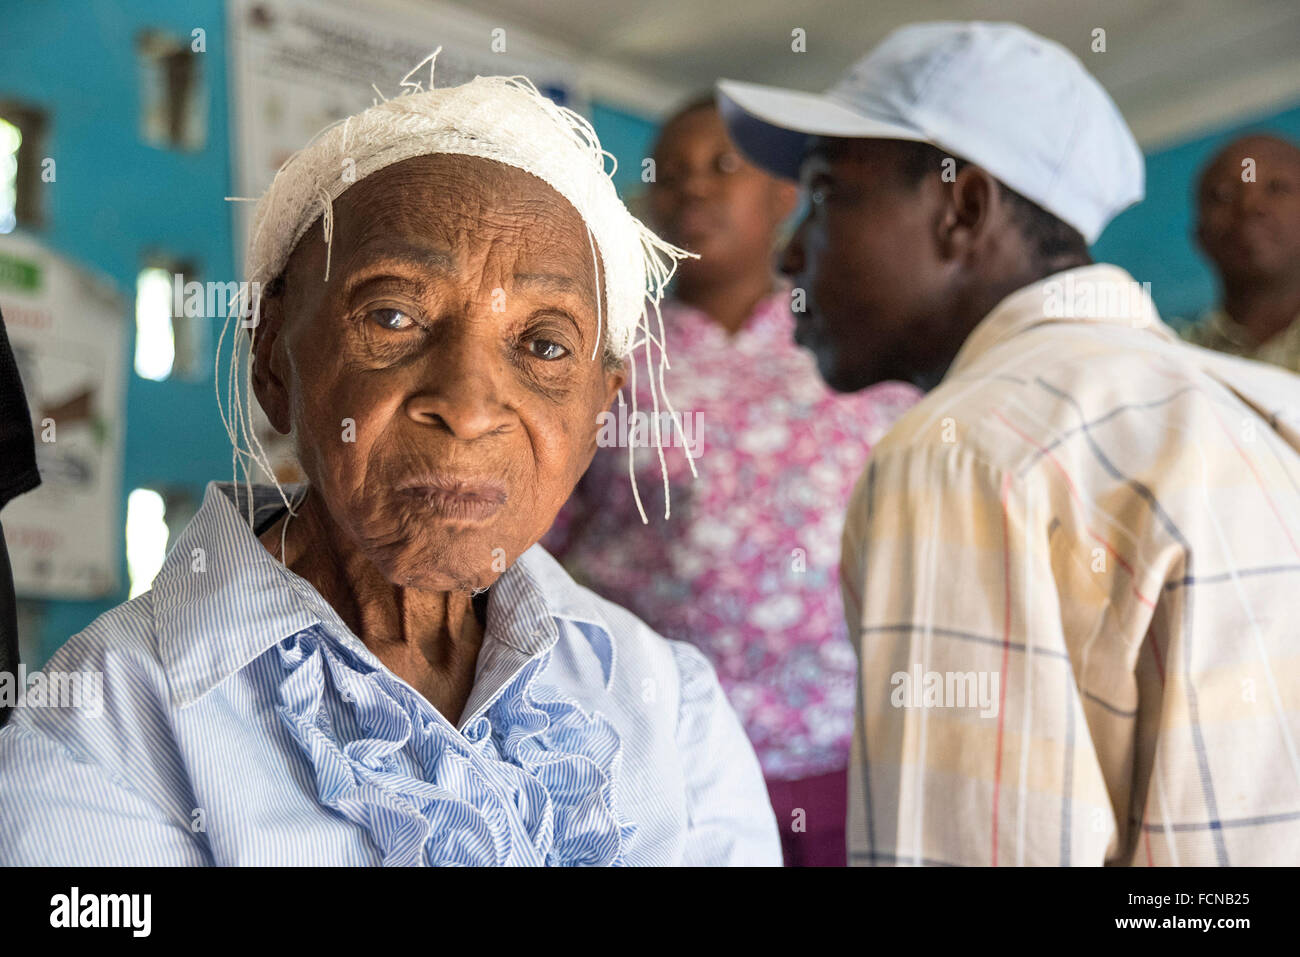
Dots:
pixel 746 568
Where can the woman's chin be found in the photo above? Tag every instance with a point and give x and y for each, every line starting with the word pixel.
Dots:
pixel 456 565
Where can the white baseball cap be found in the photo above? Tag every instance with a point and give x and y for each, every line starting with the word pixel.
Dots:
pixel 994 94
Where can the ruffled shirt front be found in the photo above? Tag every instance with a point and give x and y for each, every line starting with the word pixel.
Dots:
pixel 241 722
pixel 421 794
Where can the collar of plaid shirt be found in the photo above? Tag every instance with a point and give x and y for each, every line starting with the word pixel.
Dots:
pixel 1091 294
pixel 1107 295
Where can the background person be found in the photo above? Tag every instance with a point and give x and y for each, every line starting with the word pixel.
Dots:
pixel 1249 227
pixel 1086 514
pixel 745 568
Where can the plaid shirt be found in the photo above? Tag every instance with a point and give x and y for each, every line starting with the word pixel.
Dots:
pixel 1073 571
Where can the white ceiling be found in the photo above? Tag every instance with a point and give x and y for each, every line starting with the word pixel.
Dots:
pixel 1173 66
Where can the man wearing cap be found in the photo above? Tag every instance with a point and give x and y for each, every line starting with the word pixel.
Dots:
pixel 1070 568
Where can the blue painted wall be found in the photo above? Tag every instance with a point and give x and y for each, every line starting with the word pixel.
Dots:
pixel 630 138
pixel 116 200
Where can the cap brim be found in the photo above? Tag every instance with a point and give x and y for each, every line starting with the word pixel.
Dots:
pixel 773 126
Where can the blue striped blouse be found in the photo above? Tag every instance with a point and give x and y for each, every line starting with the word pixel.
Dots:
pixel 241 722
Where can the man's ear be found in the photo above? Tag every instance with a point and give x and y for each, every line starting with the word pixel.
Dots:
pixel 972 203
pixel 271 390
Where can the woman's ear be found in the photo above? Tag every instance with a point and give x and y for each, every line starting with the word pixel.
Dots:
pixel 271 390
pixel 614 379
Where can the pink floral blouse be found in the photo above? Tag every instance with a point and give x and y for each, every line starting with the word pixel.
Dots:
pixel 746 568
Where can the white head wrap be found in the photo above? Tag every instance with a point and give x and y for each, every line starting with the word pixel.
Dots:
pixel 494 117
pixel 498 118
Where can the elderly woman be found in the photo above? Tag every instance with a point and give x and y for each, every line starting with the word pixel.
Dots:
pixel 380 666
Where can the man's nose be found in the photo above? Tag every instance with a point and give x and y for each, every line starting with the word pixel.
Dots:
pixel 1249 199
pixel 792 260
pixel 461 388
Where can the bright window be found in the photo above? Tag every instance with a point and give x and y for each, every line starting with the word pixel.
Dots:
pixel 146 537
pixel 155 339
pixel 10 139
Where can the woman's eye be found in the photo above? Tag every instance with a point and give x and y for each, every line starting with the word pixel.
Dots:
pixel 392 319
pixel 545 349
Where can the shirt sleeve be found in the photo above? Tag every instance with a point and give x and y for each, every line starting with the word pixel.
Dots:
pixel 58 810
pixel 730 819
pixel 970 743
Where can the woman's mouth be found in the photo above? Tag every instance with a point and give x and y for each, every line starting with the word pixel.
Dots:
pixel 697 222
pixel 456 499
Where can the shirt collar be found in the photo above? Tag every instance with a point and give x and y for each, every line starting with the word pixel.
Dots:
pixel 221 599
pixel 1227 328
pixel 1234 332
pixel 1099 294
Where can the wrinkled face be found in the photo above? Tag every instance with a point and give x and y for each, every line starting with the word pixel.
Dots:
pixel 440 386
pixel 1252 229
pixel 708 199
pixel 865 257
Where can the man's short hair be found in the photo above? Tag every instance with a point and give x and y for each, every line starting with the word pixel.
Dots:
pixel 1048 237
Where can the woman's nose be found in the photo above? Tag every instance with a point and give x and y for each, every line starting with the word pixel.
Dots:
pixel 461 390
pixel 695 183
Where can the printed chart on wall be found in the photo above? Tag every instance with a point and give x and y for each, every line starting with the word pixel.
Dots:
pixel 297 66
pixel 69 338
